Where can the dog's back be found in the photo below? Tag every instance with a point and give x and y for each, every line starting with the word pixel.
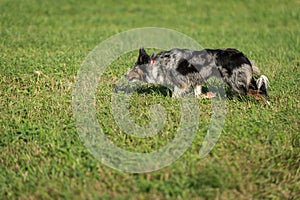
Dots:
pixel 228 64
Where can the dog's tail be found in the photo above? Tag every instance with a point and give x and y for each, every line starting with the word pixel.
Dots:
pixel 262 83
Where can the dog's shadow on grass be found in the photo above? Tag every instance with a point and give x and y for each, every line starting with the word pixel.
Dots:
pixel 144 89
pixel 156 90
pixel 166 92
pixel 159 90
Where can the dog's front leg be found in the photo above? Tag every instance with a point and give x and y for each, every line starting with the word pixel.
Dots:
pixel 198 90
pixel 178 92
pixel 198 93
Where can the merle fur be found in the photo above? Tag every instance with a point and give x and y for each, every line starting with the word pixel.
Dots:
pixel 183 68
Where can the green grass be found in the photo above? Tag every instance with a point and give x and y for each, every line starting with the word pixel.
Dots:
pixel 42 46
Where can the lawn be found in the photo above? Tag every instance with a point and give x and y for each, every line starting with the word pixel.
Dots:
pixel 42 47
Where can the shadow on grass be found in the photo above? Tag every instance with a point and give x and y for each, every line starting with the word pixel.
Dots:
pixel 160 90
pixel 155 89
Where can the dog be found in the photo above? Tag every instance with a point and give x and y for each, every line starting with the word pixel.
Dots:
pixel 181 69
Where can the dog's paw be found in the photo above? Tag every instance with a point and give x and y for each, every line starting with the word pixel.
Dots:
pixel 208 95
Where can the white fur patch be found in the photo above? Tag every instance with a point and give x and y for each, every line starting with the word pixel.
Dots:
pixel 198 90
pixel 262 80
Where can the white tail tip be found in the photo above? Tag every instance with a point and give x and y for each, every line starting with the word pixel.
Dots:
pixel 262 80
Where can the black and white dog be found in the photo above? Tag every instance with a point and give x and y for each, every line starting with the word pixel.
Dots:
pixel 183 68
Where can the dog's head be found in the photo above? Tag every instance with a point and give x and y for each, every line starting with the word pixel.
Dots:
pixel 140 68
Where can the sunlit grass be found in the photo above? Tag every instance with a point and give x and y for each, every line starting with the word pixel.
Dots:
pixel 42 46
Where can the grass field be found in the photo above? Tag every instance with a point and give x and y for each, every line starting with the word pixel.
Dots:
pixel 42 46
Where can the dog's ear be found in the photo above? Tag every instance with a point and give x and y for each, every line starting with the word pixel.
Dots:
pixel 142 51
pixel 153 56
pixel 143 58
